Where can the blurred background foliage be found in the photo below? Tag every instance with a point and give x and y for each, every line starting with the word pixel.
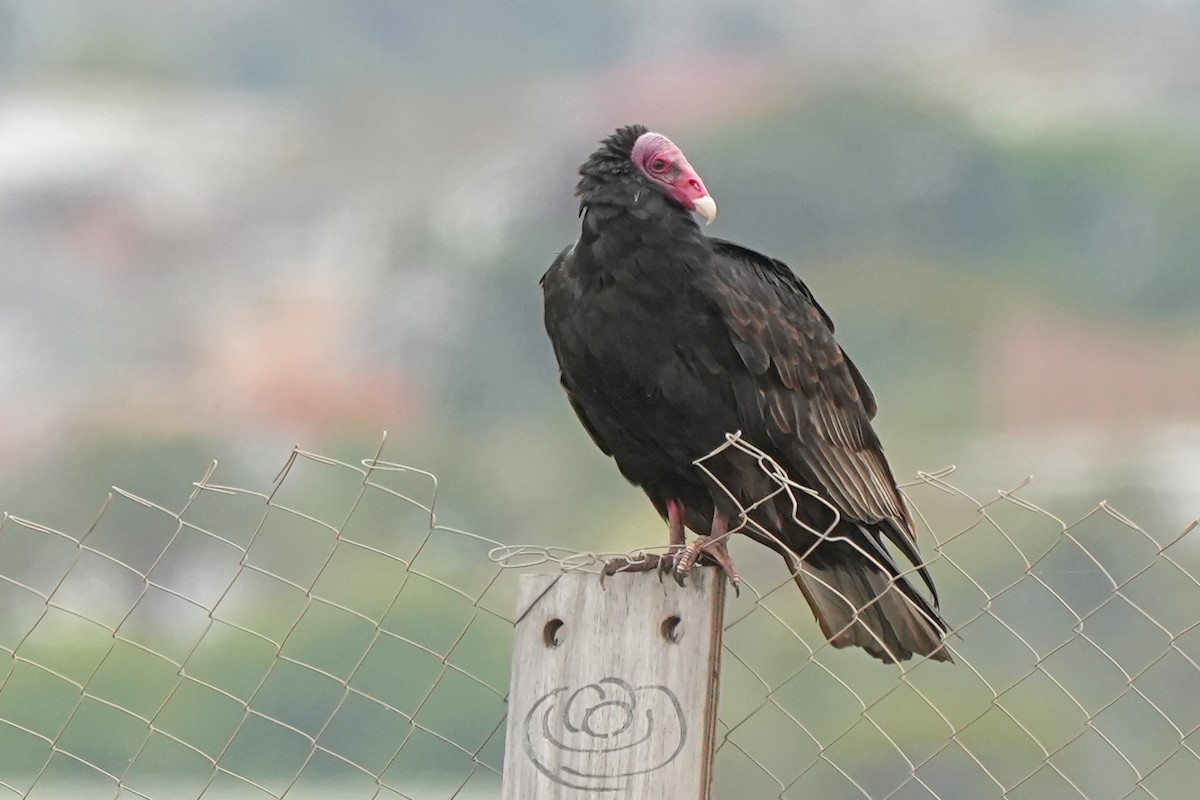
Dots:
pixel 226 227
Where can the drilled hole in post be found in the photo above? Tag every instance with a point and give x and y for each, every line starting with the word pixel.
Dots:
pixel 551 633
pixel 671 628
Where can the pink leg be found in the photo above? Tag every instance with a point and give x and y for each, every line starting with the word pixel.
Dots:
pixel 675 522
pixel 678 538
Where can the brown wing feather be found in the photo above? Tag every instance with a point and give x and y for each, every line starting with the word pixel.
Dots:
pixel 814 401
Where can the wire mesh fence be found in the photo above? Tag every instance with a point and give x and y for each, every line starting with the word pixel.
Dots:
pixel 1077 668
pixel 328 637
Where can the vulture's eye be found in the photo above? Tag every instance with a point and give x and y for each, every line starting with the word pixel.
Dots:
pixel 658 165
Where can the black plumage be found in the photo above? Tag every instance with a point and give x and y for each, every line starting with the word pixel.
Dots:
pixel 668 340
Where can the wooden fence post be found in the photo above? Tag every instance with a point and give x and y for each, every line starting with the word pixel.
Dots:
pixel 614 689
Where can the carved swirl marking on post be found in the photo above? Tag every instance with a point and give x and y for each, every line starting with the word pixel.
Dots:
pixel 600 735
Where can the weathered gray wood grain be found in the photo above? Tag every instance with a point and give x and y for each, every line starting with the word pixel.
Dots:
pixel 614 690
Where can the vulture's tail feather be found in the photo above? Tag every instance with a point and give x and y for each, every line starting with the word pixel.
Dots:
pixel 857 604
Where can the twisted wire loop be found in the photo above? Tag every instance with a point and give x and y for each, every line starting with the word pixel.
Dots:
pixel 252 643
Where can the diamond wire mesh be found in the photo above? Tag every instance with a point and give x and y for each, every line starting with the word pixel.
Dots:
pixel 1077 668
pixel 326 638
pixel 330 638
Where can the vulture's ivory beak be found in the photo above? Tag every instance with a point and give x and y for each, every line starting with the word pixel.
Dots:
pixel 706 207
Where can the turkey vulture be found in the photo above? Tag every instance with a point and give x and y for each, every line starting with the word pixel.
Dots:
pixel 668 340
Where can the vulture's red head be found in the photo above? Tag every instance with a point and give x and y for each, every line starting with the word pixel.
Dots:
pixel 665 165
pixel 651 157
